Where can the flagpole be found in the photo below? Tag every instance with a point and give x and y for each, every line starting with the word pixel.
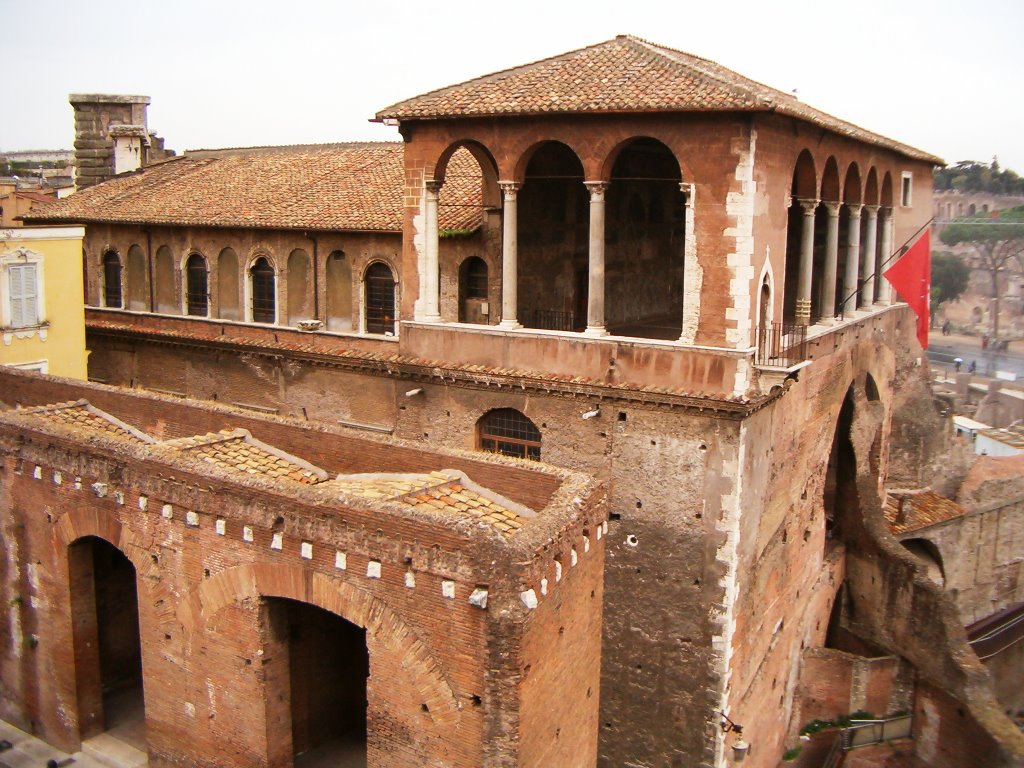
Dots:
pixel 896 253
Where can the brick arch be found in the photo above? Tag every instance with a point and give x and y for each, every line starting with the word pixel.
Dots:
pixel 87 521
pixel 255 580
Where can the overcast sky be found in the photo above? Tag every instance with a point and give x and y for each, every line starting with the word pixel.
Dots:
pixel 944 76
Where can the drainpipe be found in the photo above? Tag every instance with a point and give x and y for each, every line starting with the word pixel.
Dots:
pixel 316 275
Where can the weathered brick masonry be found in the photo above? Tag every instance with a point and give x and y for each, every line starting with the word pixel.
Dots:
pixel 451 681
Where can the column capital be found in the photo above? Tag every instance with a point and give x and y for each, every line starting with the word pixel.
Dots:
pixel 871 210
pixel 832 206
pixel 885 212
pixel 808 204
pixel 433 186
pixel 509 189
pixel 596 189
pixel 855 209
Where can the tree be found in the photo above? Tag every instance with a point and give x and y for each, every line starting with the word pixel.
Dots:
pixel 997 240
pixel 949 278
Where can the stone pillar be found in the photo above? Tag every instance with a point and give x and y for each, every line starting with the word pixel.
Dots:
pixel 852 261
pixel 868 265
pixel 595 286
pixel 828 295
pixel 803 291
pixel 509 255
pixel 886 223
pixel 431 282
pixel 693 275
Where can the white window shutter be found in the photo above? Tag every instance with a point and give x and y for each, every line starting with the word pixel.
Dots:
pixel 24 295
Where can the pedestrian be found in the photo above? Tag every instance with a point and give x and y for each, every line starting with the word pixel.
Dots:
pixel 957 362
pixel 972 367
pixel 945 328
pixel 984 341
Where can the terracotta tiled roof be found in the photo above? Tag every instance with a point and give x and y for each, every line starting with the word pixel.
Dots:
pixel 444 491
pixel 920 509
pixel 626 74
pixel 238 449
pixel 328 187
pixel 80 415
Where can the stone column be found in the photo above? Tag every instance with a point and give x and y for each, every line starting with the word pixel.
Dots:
pixel 803 291
pixel 431 286
pixel 884 288
pixel 852 261
pixel 509 255
pixel 693 275
pixel 828 295
pixel 867 288
pixel 595 286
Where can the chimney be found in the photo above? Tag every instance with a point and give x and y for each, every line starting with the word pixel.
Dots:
pixel 96 148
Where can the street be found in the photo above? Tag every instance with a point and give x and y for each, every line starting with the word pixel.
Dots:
pixel 943 349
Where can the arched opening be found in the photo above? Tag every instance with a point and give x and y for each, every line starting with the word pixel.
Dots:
pixel 803 189
pixel 645 236
pixel 263 291
pixel 111 279
pixel 840 499
pixel 870 388
pixel 379 299
pixel 827 294
pixel 553 241
pixel 473 291
pixel 107 646
pixel 164 286
pixel 971 209
pixel 510 433
pixel 850 222
pixel 300 294
pixel 929 556
pixel 323 691
pixel 138 299
pixel 197 295
pixel 339 292
pixel 764 307
pixel 227 286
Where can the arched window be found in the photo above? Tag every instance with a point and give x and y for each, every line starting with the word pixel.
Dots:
pixel 227 285
pixel 196 295
pixel 111 280
pixel 472 290
pixel 264 300
pixel 380 299
pixel 508 432
pixel 136 287
pixel 339 292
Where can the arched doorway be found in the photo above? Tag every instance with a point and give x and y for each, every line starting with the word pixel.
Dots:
pixel 379 299
pixel 645 239
pixel 107 645
pixel 323 693
pixel 554 223
pixel 473 290
pixel 263 291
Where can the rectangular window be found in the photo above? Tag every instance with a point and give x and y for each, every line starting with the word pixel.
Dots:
pixel 24 295
pixel 906 189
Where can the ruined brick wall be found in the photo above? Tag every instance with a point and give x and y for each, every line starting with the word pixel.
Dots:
pixel 834 683
pixel 208 549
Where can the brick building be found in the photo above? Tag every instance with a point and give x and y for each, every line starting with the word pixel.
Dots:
pixel 629 263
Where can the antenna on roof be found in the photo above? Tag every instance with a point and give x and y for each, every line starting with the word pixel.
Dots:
pixel 796 93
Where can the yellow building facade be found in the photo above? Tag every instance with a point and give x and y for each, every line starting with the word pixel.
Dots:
pixel 42 316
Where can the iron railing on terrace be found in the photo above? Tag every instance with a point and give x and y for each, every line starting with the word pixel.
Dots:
pixel 554 320
pixel 862 733
pixel 781 344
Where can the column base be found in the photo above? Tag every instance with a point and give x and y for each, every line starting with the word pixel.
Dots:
pixel 509 325
pixel 595 330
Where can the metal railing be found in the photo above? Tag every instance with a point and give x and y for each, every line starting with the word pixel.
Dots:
pixel 861 733
pixel 781 344
pixel 835 755
pixel 554 320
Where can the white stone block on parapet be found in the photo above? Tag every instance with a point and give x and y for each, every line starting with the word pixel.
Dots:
pixel 529 598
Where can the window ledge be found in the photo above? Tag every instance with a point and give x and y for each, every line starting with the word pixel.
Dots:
pixel 25 332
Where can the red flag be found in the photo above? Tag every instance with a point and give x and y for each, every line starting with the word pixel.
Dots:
pixel 911 276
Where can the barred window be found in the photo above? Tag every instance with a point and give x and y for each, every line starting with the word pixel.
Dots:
pixel 380 299
pixel 111 280
pixel 196 278
pixel 510 433
pixel 264 300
